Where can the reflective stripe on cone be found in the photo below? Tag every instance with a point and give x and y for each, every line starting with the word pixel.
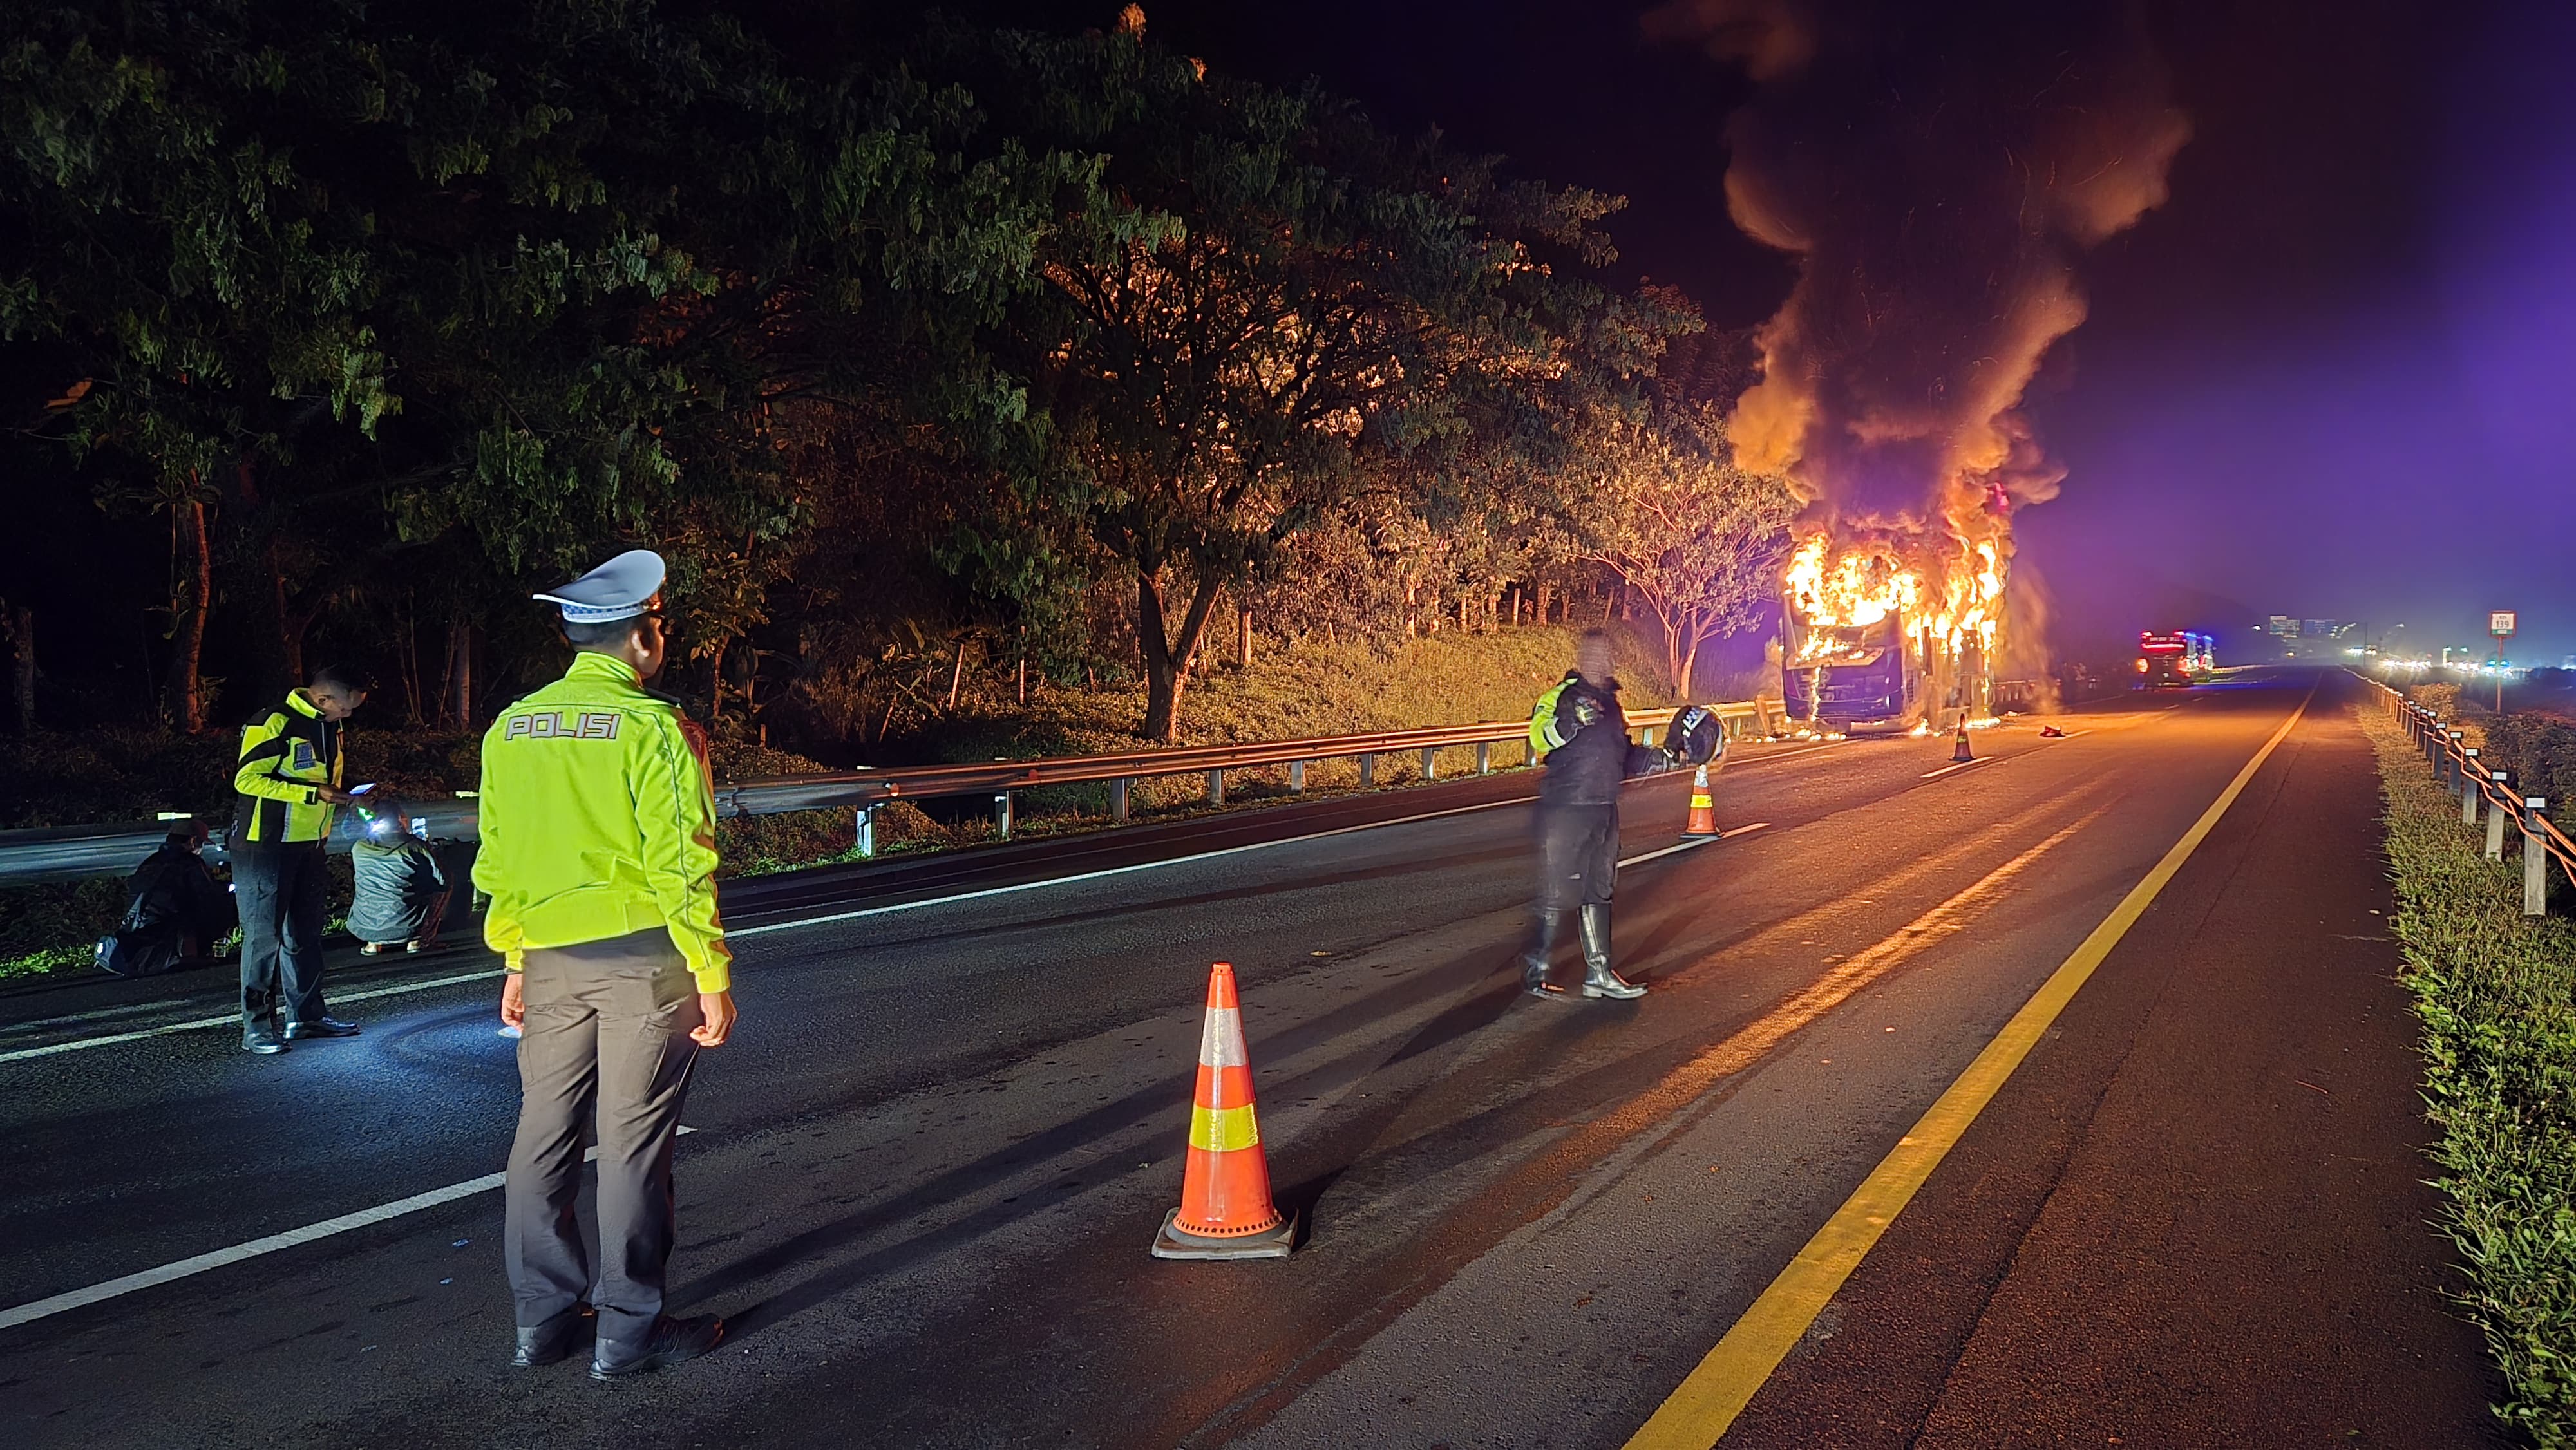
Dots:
pixel 1703 812
pixel 1225 1211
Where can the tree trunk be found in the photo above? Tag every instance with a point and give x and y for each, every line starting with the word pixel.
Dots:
pixel 1546 597
pixel 457 703
pixel 291 626
pixel 407 660
pixel 1167 658
pixel 183 698
pixel 715 684
pixel 21 622
pixel 1245 638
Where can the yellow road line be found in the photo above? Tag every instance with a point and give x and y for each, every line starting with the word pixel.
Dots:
pixel 1708 1401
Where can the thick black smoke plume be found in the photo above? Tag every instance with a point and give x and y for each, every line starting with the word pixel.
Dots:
pixel 1936 167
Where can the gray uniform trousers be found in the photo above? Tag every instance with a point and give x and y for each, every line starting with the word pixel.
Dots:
pixel 607 1030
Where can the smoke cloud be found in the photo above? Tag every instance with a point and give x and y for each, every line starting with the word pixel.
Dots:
pixel 1936 168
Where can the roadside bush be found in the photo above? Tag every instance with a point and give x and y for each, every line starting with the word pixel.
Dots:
pixel 2442 697
pixel 2497 994
pixel 2541 753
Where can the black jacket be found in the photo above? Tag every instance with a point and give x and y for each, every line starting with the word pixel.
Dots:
pixel 171 894
pixel 1583 735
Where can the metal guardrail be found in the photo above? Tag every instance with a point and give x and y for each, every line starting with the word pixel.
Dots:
pixel 75 852
pixel 2461 770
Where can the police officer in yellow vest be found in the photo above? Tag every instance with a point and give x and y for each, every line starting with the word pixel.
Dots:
pixel 288 778
pixel 599 854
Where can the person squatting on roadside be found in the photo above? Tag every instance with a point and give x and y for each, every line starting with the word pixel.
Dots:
pixel 288 780
pixel 175 911
pixel 401 894
pixel 599 855
pixel 1581 735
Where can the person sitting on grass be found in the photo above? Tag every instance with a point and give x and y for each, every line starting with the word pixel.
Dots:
pixel 401 894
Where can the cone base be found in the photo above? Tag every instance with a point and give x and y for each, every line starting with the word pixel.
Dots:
pixel 1175 1242
pixel 1708 832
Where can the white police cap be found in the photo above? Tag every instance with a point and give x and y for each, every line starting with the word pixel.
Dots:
pixel 622 588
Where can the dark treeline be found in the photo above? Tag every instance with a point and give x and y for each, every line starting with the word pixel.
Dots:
pixel 337 328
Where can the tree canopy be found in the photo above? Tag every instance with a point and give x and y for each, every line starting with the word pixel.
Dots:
pixel 390 315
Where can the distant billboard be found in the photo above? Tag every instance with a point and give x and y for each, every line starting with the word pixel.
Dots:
pixel 2284 627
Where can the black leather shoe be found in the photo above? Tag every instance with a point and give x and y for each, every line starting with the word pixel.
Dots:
pixel 262 1041
pixel 320 1027
pixel 671 1342
pixel 552 1341
pixel 1598 979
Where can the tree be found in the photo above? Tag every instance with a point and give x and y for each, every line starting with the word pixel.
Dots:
pixel 1696 539
pixel 1264 308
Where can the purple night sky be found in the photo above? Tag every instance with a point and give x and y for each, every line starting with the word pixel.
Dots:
pixel 2331 378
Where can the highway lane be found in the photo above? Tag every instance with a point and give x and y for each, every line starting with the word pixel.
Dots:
pixel 923 1182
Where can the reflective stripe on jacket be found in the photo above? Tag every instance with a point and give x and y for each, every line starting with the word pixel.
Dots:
pixel 284 755
pixel 1581 735
pixel 598 819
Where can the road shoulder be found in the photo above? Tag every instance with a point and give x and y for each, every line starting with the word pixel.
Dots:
pixel 2195 1217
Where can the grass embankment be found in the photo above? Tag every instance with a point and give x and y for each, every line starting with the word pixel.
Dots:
pixel 1447 679
pixel 2494 990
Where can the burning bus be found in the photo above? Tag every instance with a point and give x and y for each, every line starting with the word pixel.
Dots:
pixel 1874 641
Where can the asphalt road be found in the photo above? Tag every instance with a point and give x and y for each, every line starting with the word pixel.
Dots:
pixel 923 1177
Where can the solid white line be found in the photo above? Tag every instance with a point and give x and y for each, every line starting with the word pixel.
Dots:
pixel 200 1023
pixel 1693 842
pixel 1106 871
pixel 184 1268
pixel 1957 765
pixel 233 1019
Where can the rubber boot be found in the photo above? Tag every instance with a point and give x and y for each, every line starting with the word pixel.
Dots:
pixel 1544 925
pixel 1598 979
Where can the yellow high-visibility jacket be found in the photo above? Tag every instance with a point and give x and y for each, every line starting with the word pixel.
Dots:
pixel 284 755
pixel 598 819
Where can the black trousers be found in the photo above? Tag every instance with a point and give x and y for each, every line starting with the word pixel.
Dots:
pixel 279 890
pixel 606 1054
pixel 1578 855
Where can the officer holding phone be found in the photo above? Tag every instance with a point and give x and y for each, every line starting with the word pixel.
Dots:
pixel 287 778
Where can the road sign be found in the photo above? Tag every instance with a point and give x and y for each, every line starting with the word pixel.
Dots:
pixel 2500 623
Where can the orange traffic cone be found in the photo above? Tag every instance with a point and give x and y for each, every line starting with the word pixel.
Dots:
pixel 1225 1211
pixel 1960 753
pixel 1703 815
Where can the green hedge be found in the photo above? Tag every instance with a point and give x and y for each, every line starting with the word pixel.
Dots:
pixel 2497 994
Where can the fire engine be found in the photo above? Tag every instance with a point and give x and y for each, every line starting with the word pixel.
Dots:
pixel 2175 660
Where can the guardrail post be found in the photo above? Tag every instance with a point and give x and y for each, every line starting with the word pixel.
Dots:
pixel 2535 858
pixel 1002 813
pixel 1368 771
pixel 2454 751
pixel 1297 776
pixel 1118 800
pixel 2495 819
pixel 1430 765
pixel 1216 787
pixel 2469 786
pixel 867 837
pixel 1484 757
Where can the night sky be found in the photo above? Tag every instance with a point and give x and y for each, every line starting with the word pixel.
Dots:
pixel 2329 377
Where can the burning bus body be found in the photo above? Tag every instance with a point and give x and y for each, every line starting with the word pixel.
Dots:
pixel 1935 228
pixel 1874 642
